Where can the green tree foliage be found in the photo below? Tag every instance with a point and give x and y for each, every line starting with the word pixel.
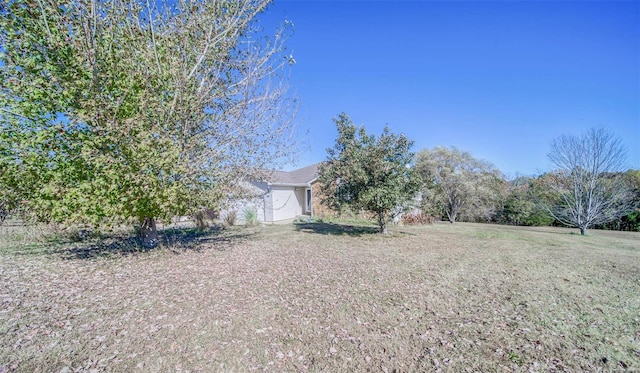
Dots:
pixel 130 109
pixel 520 207
pixel 587 186
pixel 458 185
pixel 369 173
pixel 631 221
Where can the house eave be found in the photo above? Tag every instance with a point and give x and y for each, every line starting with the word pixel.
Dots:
pixel 290 184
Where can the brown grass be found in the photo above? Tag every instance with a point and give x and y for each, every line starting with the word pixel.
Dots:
pixel 451 298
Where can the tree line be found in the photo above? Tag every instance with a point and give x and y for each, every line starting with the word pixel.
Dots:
pixel 586 189
pixel 130 111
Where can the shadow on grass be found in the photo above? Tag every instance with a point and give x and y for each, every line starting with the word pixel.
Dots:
pixel 176 240
pixel 335 229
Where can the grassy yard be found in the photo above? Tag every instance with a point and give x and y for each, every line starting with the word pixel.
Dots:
pixel 324 297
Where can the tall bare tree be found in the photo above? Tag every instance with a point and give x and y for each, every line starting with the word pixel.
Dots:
pixel 586 184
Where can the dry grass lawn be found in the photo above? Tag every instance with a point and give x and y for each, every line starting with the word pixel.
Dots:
pixel 323 297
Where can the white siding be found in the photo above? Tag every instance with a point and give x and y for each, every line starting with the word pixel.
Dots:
pixel 256 202
pixel 272 203
pixel 268 206
pixel 259 200
pixel 286 202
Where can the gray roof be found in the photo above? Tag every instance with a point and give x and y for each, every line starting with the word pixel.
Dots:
pixel 301 176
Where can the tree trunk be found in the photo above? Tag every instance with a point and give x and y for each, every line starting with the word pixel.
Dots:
pixel 148 233
pixel 583 231
pixel 452 214
pixel 383 228
pixel 382 222
pixel 199 217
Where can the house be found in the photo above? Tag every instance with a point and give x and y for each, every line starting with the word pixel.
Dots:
pixel 281 196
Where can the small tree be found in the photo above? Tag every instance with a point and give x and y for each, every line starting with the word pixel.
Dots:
pixel 458 183
pixel 585 184
pixel 369 173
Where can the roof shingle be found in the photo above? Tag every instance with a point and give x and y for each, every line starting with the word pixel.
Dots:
pixel 300 176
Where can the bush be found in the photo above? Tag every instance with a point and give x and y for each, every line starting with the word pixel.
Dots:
pixel 230 218
pixel 200 220
pixel 538 218
pixel 417 218
pixel 250 217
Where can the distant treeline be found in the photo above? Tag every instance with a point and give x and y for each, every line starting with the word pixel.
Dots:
pixel 521 202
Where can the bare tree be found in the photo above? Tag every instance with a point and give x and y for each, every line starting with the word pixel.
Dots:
pixel 587 186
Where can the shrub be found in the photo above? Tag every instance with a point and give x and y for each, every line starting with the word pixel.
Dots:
pixel 230 218
pixel 417 218
pixel 250 216
pixel 200 220
pixel 538 218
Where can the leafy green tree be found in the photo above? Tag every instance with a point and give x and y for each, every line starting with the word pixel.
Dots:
pixel 631 221
pixel 122 110
pixel 520 207
pixel 589 189
pixel 369 173
pixel 459 184
pixel 517 206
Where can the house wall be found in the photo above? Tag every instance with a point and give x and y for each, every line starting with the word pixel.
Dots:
pixel 286 202
pixel 256 201
pixel 307 208
pixel 272 203
pixel 268 206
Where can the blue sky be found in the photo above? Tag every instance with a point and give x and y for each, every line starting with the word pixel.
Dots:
pixel 498 79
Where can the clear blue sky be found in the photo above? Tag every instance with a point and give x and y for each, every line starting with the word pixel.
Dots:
pixel 499 79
